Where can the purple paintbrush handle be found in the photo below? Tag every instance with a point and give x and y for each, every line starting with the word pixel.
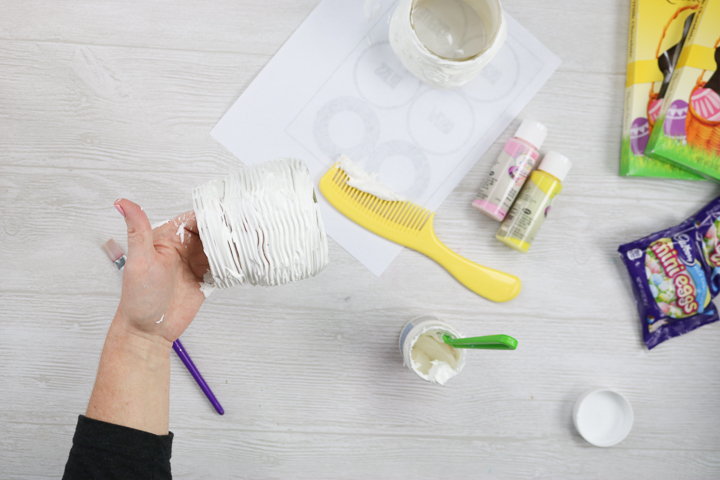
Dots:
pixel 180 350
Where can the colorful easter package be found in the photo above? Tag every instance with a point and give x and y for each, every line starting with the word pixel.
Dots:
pixel 657 33
pixel 687 131
pixel 708 227
pixel 674 275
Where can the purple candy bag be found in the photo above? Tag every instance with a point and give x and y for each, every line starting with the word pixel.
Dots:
pixel 675 273
pixel 707 222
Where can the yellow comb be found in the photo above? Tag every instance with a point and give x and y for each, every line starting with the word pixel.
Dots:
pixel 412 226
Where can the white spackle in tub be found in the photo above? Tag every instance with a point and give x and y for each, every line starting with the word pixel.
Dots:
pixel 433 359
pixel 261 225
pixel 366 182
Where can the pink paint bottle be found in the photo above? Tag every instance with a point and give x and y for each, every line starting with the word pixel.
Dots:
pixel 514 164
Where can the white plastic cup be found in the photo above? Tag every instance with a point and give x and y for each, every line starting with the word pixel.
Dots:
pixel 412 331
pixel 603 417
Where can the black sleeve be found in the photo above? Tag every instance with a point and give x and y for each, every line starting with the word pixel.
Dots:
pixel 106 451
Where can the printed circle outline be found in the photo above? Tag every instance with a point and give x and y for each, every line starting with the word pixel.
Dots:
pixel 470 131
pixel 406 73
pixel 512 84
pixel 321 127
pixel 407 150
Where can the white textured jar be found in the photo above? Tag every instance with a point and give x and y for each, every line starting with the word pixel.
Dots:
pixel 438 41
pixel 261 225
pixel 440 371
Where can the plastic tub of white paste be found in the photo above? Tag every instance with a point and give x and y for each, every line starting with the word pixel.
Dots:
pixel 603 417
pixel 425 353
pixel 446 43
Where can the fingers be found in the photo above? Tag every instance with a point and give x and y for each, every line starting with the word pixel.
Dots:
pixel 140 237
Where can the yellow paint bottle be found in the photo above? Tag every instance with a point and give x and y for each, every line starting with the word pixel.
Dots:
pixel 527 215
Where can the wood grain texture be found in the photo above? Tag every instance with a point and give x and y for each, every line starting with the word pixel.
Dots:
pixel 100 100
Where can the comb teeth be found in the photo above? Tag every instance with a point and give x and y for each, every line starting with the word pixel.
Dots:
pixel 404 216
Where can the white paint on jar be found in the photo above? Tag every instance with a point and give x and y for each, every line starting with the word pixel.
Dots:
pixel 261 226
pixel 446 43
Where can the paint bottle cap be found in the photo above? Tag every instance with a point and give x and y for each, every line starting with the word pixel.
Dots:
pixel 603 417
pixel 556 164
pixel 532 132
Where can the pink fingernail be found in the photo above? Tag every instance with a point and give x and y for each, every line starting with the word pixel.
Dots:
pixel 119 209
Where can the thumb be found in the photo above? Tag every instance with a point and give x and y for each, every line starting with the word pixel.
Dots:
pixel 139 231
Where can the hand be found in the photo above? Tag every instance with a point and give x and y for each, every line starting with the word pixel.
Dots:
pixel 160 297
pixel 161 281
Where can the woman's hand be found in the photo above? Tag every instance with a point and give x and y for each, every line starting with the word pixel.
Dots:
pixel 161 281
pixel 160 297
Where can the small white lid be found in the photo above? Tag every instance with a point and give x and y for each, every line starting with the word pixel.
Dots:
pixel 556 164
pixel 532 132
pixel 603 417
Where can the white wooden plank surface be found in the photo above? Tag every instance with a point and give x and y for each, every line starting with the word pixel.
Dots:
pixel 100 100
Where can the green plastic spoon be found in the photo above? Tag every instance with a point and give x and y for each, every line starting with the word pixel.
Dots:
pixel 491 342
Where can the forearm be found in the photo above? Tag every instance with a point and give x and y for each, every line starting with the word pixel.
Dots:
pixel 133 380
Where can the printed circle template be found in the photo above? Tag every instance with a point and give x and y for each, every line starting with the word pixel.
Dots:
pixel 346 125
pixel 402 166
pixel 440 122
pixel 382 80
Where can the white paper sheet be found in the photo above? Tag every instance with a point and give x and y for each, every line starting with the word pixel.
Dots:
pixel 336 88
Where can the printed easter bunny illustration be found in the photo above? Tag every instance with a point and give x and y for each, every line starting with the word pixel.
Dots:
pixel 702 124
pixel 666 62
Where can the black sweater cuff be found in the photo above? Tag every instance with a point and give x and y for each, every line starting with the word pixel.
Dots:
pixel 106 450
